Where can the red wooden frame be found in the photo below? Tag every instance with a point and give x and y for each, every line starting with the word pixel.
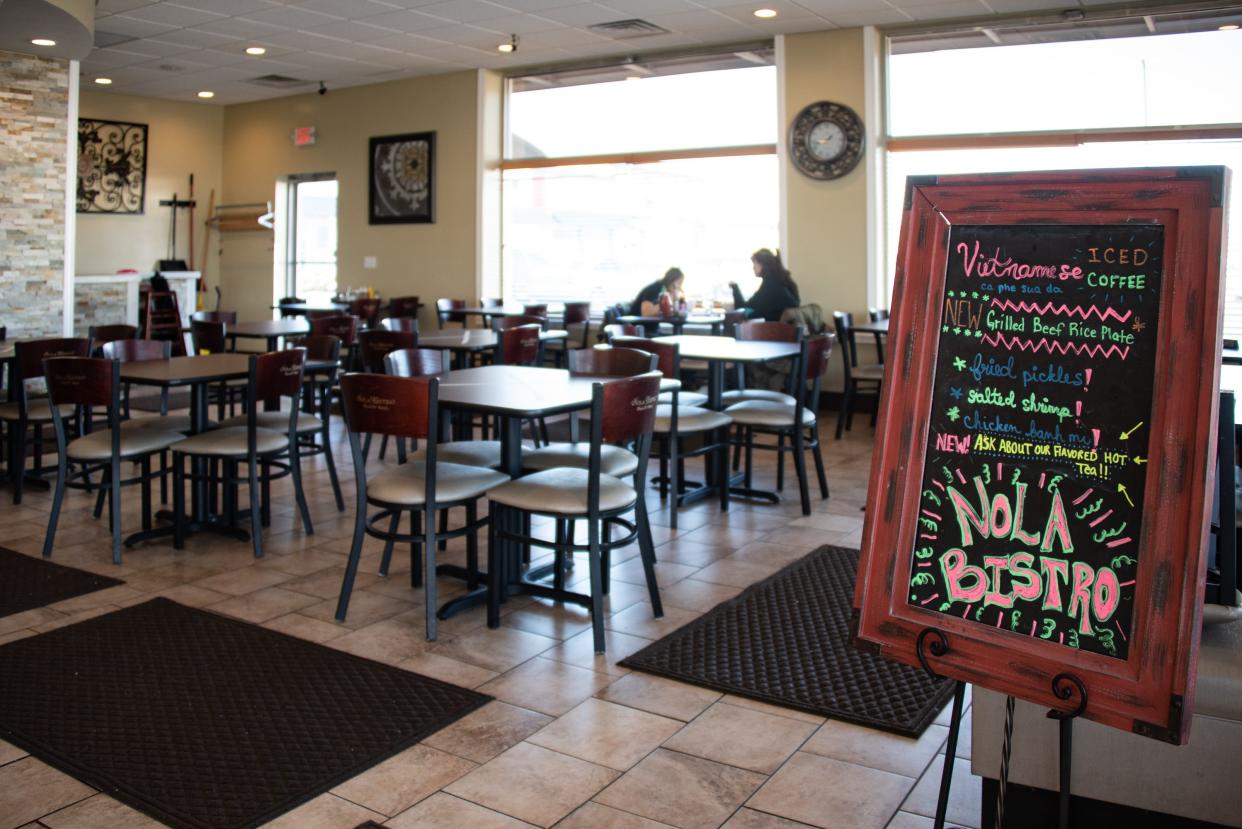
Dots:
pixel 1151 690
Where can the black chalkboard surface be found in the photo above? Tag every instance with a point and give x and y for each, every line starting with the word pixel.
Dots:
pixel 1034 476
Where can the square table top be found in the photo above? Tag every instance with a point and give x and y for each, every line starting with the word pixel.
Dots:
pixel 474 339
pixel 263 329
pixel 727 349
pixel 202 368
pixel 523 391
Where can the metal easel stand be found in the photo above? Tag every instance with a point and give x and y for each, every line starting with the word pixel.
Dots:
pixel 1064 687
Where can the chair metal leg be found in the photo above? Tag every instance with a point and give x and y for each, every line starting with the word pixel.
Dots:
pixel 429 590
pixel 675 465
pixel 17 463
pixel 799 458
pixel 416 555
pixel 597 596
pixel 750 456
pixel 178 469
pixel 114 498
pixel 472 547
pixel 780 462
pixel 495 567
pixel 146 492
pixel 295 471
pixel 646 550
pixel 351 565
pixel 57 497
pixel 256 529
pixel 336 483
pixel 722 470
pixel 393 525
pixel 819 467
pixel 100 496
pixel 846 402
pixel 383 446
pixel 444 521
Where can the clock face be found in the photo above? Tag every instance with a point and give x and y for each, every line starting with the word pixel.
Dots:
pixel 826 140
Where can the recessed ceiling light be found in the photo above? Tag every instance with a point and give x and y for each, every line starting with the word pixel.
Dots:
pixel 43 41
pixel 765 13
pixel 103 81
pixel 511 46
pixel 1228 27
pixel 206 93
pixel 255 50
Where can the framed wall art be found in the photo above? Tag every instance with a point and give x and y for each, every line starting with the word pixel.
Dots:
pixel 112 167
pixel 1041 487
pixel 402 179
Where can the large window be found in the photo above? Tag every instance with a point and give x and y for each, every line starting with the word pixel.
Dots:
pixel 311 271
pixel 607 185
pixel 1071 105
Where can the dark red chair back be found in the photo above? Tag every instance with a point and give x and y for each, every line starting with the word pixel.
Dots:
pixel 208 337
pixel 322 347
pixel 226 317
pixel 449 310
pixel 129 351
pixel 628 407
pixel 668 360
pixel 400 324
pixel 403 306
pixel 620 329
pixel 514 320
pixel 342 326
pixel 518 346
pixel 732 319
pixel 818 350
pixel 278 374
pixel 416 362
pixel 382 405
pixel 375 345
pixel 365 309
pixel 536 310
pixel 776 332
pixel 576 312
pixel 28 356
pixel 82 381
pixel 100 334
pixel 611 362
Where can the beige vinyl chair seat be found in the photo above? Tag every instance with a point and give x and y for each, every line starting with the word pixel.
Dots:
pixel 613 460
pixel 231 442
pixel 767 413
pixel 562 491
pixel 97 446
pixel 38 409
pixel 406 485
pixel 277 422
pixel 167 423
pixel 729 398
pixel 685 398
pixel 689 419
pixel 484 453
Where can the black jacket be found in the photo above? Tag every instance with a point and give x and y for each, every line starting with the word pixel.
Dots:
pixel 770 301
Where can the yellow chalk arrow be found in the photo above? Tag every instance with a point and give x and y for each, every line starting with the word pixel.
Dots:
pixel 1126 434
pixel 1140 460
pixel 1121 488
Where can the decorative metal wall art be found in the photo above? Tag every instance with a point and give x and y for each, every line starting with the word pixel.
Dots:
pixel 402 179
pixel 112 166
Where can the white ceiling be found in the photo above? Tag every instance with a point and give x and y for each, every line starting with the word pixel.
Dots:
pixel 174 48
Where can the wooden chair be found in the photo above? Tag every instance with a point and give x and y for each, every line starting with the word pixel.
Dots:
pixel 226 317
pixel 96 384
pixel 22 412
pixel 373 347
pixel 450 311
pixel 675 423
pixel 289 300
pixel 408 407
pixel 427 362
pixel 126 351
pixel 514 320
pixel 623 411
pixel 538 309
pixel 878 315
pixel 796 423
pixel 100 334
pixel 210 337
pixel 577 321
pixel 271 377
pixel 865 379
pixel 619 329
pixel 404 306
pixel 400 324
pixel 366 309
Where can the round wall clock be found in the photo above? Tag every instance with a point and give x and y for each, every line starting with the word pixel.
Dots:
pixel 826 140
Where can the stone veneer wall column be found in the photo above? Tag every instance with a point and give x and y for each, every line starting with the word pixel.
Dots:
pixel 34 113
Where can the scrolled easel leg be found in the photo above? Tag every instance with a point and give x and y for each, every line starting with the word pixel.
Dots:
pixel 1064 687
pixel 939 646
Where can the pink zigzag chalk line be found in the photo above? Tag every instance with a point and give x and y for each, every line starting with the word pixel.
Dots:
pixel 1053 346
pixel 1025 307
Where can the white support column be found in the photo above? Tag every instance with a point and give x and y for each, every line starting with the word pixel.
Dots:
pixel 71 201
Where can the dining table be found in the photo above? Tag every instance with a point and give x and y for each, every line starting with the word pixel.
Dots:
pixel 678 322
pixel 270 331
pixel 304 308
pixel 464 342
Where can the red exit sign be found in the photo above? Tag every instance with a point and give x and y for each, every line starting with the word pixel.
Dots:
pixel 303 136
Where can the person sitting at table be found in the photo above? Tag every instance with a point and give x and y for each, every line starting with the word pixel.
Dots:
pixel 777 291
pixel 647 303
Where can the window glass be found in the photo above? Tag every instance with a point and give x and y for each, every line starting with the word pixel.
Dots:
pixel 724 108
pixel 1093 84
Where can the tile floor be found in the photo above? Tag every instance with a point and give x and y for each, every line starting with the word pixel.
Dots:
pixel 571 740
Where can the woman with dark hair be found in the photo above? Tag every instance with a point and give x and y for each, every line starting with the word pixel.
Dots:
pixel 647 303
pixel 777 291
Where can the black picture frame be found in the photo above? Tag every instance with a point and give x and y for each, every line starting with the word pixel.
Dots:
pixel 112 167
pixel 401 179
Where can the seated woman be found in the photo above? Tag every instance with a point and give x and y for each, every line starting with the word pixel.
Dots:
pixel 777 291
pixel 647 303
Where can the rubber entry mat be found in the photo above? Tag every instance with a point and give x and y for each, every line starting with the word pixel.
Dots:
pixel 27 582
pixel 203 721
pixel 786 641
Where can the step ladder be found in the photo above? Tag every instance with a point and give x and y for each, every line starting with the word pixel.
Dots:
pixel 162 320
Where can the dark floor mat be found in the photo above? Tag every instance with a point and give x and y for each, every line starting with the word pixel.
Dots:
pixel 786 641
pixel 27 582
pixel 204 721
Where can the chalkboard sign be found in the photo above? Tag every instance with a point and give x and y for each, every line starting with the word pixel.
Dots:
pixel 1040 488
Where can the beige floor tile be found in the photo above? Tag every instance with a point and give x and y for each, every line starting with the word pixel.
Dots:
pixel 580 651
pixel 877 749
pixel 909 820
pixel 681 790
pixel 14 635
pixel 30 789
pixel 389 641
pixel 443 811
pixel 658 695
pixel 742 737
pixel 667 572
pixel 607 734
pixel 829 793
pixel 192 595
pixel 546 618
pixel 304 627
pixel 28 619
pixel 10 752
pixel 735 573
pixel 965 793
pixel 533 784
pixel 302 562
pixel 598 816
pixel 772 555
pixel 750 819
pixel 243 581
pixel 497 650
pixel 725 535
pixel 108 596
pixel 365 608
pixel 447 669
pixel 96 812
pixel 546 686
pixel 698 596
pixel 326 583
pixel 327 811
pixel 264 604
pixel 691 553
pixel 780 711
pixel 638 620
pixel 80 616
pixel 489 731
pixel 401 781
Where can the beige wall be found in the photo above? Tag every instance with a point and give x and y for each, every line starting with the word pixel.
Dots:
pixel 182 138
pixel 430 260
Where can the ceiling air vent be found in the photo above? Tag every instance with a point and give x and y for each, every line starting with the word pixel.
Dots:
pixel 278 81
pixel 628 29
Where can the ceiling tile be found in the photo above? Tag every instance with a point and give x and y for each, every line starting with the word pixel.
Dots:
pixel 352 30
pixel 349 9
pixel 521 24
pixel 103 7
pixel 290 17
pixel 241 28
pixel 641 8
pixel 231 8
pixel 465 11
pixel 941 11
pixel 404 21
pixel 172 14
pixel 583 14
pixel 120 24
pixel 461 33
pixel 197 38
pixel 537 5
